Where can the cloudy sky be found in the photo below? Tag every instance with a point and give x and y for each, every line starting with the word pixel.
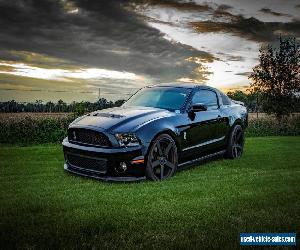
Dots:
pixel 68 49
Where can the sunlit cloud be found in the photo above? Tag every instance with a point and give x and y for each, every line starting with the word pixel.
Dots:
pixel 70 7
pixel 201 73
pixel 233 54
pixel 21 69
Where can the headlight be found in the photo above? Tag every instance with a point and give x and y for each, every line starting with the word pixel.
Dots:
pixel 127 140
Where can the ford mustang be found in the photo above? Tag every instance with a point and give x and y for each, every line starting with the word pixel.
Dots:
pixel 159 130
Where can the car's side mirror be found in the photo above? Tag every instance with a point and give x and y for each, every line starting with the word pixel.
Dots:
pixel 197 107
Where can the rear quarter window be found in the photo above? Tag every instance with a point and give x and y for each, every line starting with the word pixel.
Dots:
pixel 225 99
pixel 206 97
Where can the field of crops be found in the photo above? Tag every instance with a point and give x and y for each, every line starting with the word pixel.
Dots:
pixel 42 115
pixel 32 128
pixel 33 115
pixel 254 116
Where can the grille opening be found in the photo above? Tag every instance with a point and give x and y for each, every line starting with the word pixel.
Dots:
pixel 89 137
pixel 94 164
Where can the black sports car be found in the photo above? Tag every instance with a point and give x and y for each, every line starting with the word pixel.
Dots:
pixel 160 129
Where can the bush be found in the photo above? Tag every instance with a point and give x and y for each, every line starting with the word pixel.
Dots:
pixel 29 130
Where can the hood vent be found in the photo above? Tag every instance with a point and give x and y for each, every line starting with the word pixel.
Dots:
pixel 108 115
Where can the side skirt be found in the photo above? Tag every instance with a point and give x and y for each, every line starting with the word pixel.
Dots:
pixel 201 159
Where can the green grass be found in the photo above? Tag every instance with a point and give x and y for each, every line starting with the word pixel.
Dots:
pixel 204 207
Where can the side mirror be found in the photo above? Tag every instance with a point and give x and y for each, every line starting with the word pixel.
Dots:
pixel 197 107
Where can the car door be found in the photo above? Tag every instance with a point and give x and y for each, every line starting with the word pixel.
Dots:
pixel 203 132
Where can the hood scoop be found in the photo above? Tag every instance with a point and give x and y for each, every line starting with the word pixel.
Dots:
pixel 108 115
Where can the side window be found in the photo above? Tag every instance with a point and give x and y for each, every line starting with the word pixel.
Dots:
pixel 206 97
pixel 225 99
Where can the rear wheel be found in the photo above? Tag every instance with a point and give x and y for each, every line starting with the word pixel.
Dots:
pixel 162 158
pixel 235 143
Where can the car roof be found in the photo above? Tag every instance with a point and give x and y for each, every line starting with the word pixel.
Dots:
pixel 186 85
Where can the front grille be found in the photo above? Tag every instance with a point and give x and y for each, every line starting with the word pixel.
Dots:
pixel 95 164
pixel 89 137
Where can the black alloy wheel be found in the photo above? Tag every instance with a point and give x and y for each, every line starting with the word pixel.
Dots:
pixel 236 143
pixel 162 158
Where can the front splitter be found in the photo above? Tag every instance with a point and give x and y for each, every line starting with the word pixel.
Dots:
pixel 103 177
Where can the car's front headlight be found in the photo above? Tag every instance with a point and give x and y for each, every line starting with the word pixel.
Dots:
pixel 127 140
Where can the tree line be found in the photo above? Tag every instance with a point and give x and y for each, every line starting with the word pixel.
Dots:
pixel 60 106
pixel 249 99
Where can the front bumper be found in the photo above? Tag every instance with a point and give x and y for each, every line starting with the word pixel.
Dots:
pixel 102 163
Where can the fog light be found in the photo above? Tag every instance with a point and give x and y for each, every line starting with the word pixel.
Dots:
pixel 121 168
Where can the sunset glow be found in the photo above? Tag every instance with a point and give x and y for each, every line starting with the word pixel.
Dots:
pixel 21 69
pixel 78 47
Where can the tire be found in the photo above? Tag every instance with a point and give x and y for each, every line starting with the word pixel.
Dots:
pixel 162 158
pixel 236 142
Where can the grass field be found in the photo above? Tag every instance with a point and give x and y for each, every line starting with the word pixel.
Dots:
pixel 204 207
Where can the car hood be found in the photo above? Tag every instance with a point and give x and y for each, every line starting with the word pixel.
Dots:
pixel 122 119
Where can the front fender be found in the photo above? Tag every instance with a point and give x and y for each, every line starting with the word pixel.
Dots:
pixel 151 130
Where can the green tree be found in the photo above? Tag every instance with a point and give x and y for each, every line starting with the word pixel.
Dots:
pixel 38 106
pixel 248 98
pixel 238 95
pixel 61 106
pixel 118 103
pixel 79 109
pixel 277 77
pixel 49 106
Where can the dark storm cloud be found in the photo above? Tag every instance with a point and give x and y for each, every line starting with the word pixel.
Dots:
pixel 176 4
pixel 243 74
pixel 222 11
pixel 269 11
pixel 35 59
pixel 229 57
pixel 251 28
pixel 224 7
pixel 102 34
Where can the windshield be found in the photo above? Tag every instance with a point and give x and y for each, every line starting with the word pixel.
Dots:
pixel 159 97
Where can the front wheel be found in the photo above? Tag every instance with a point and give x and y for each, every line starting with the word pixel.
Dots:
pixel 236 141
pixel 162 158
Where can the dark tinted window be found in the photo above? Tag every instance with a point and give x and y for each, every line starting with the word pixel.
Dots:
pixel 206 97
pixel 225 99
